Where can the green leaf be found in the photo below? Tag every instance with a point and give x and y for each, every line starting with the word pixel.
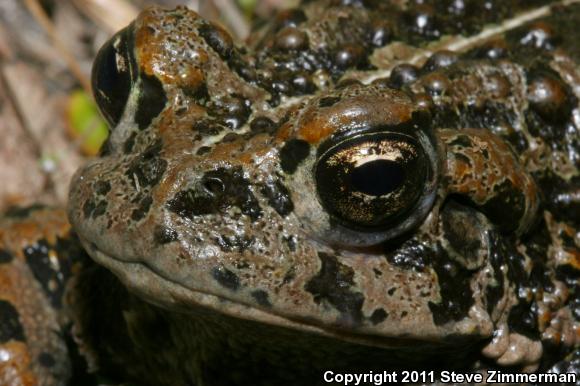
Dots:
pixel 85 123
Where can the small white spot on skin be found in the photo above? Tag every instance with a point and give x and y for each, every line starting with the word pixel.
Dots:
pixel 208 252
pixel 137 186
pixel 422 21
pixel 54 263
pixel 48 164
pixel 499 344
pixel 521 351
pixel 576 117
pixel 5 356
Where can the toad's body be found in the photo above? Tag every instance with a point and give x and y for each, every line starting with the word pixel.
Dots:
pixel 336 197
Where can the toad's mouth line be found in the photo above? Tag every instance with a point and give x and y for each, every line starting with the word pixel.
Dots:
pixel 144 282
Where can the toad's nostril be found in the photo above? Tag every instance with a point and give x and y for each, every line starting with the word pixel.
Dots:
pixel 213 185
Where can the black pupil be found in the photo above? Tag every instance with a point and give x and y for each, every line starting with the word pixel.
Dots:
pixel 377 178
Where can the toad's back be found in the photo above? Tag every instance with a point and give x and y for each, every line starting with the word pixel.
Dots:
pixel 365 186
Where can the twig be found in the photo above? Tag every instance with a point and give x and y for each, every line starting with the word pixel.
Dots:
pixel 99 11
pixel 233 17
pixel 43 19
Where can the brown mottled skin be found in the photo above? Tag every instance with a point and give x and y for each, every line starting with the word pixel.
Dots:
pixel 366 185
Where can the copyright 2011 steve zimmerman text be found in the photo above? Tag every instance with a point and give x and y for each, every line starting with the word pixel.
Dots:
pixel 490 376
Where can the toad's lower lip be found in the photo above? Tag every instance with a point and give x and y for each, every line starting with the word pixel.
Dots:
pixel 150 286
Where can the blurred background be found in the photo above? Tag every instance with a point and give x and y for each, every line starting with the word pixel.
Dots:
pixel 48 122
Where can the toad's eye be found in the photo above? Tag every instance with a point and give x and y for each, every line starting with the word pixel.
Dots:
pixel 114 72
pixel 372 181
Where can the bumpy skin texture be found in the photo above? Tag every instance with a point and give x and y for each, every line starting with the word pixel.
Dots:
pixel 367 185
pixel 38 256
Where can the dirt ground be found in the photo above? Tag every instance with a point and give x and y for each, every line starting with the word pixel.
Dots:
pixel 46 51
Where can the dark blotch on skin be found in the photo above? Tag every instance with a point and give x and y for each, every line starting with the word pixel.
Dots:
pixel 218 190
pixel 189 203
pixel 231 111
pixel 10 326
pixel 92 209
pixel 333 285
pixel 262 298
pixel 203 150
pixel 569 275
pixel 289 276
pixel 106 148
pixel 129 143
pixel 328 101
pixel 378 316
pixel 456 294
pixel 562 197
pixel 235 243
pixel 292 153
pixel 231 137
pixel 102 187
pixel 163 235
pixel 100 209
pixel 152 100
pixel 291 241
pixel 263 125
pixel 69 251
pixel 495 291
pixel 207 127
pixel 461 141
pixel 51 280
pixel 523 320
pixel 506 207
pixel 5 256
pixel 278 197
pixel 46 360
pixel 148 166
pixel 199 93
pixel 243 67
pixel 462 230
pixel 226 278
pixel 143 208
pixel 218 39
pixel 88 208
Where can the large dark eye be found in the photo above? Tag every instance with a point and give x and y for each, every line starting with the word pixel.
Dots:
pixel 372 180
pixel 114 71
